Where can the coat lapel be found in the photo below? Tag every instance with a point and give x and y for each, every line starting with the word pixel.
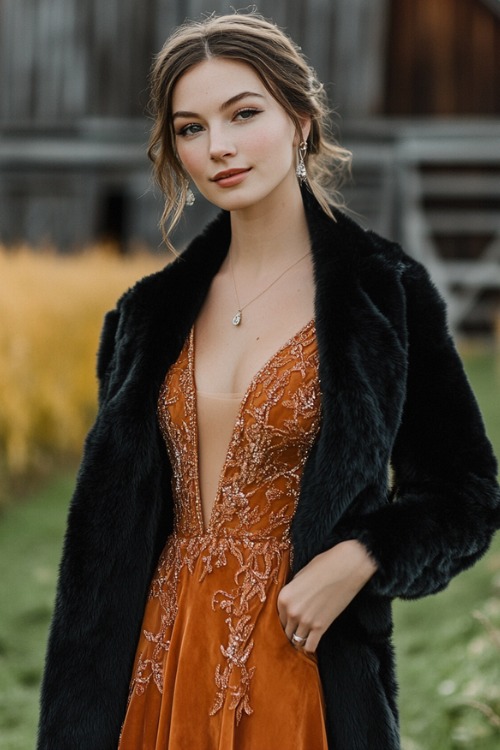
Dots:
pixel 362 374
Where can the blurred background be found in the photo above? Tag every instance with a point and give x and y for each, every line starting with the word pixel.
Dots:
pixel 415 89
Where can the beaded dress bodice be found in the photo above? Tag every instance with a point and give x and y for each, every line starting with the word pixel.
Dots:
pixel 275 427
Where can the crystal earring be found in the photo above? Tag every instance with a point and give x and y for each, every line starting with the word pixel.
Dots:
pixel 190 196
pixel 301 167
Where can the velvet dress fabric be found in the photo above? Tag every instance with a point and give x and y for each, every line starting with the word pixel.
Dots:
pixel 394 394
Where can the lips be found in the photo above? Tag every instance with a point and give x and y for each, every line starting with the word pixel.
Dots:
pixel 227 173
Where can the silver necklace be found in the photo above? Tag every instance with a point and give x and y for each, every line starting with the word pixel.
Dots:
pixel 237 317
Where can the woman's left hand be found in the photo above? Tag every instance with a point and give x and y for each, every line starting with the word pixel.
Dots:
pixel 316 596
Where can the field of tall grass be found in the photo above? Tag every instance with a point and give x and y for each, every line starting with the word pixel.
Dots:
pixel 51 310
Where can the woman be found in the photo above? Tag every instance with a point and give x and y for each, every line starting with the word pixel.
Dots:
pixel 233 546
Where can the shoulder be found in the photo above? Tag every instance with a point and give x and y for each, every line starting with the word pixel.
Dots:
pixel 182 276
pixel 162 303
pixel 145 290
pixel 370 246
pixel 398 285
pixel 424 305
pixel 342 240
pixel 159 295
pixel 371 249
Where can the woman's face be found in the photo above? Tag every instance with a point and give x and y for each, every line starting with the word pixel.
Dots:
pixel 233 138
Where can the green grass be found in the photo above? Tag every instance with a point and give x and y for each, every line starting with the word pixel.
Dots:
pixel 444 656
pixel 30 548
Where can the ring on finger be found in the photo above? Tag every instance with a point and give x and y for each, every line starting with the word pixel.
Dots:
pixel 299 639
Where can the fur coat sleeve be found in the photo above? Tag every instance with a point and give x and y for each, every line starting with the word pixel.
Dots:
pixel 444 505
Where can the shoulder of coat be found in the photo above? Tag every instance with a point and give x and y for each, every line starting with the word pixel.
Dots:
pixel 145 289
pixel 165 288
pixel 371 246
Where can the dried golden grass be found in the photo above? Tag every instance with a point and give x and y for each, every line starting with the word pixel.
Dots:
pixel 51 310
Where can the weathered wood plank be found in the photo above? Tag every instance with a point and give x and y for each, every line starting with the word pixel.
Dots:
pixel 462 222
pixel 18 56
pixel 443 58
pixel 461 185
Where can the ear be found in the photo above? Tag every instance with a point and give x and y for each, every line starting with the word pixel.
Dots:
pixel 305 129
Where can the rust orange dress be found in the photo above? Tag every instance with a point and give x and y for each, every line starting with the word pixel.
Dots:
pixel 214 668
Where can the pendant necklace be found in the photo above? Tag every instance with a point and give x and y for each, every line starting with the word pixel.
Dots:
pixel 237 317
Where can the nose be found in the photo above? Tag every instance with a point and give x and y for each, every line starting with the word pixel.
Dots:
pixel 221 145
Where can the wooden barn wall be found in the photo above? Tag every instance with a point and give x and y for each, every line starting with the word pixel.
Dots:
pixel 61 60
pixel 443 58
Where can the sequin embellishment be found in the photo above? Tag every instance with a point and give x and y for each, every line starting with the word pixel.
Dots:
pixel 248 530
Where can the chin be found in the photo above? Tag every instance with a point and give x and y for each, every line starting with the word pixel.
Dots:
pixel 241 201
pixel 231 202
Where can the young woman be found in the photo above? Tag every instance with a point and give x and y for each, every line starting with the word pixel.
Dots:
pixel 233 543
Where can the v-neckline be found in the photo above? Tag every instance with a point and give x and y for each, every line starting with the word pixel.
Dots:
pixel 205 527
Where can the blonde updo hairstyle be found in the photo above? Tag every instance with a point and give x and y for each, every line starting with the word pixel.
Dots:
pixel 279 63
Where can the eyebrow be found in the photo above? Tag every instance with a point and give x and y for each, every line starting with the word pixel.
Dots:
pixel 224 106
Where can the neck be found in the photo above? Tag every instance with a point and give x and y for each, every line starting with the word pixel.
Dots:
pixel 269 235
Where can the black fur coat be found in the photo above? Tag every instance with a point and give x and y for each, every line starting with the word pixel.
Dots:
pixel 394 393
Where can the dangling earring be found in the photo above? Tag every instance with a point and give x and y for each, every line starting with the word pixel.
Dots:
pixel 190 196
pixel 301 167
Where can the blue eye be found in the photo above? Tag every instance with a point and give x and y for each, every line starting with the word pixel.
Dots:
pixel 191 129
pixel 247 113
